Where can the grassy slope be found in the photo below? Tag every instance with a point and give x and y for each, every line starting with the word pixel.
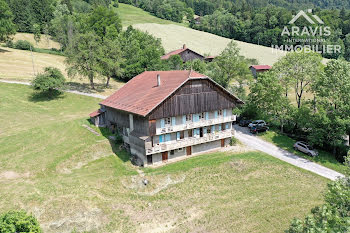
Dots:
pixel 132 15
pixel 174 35
pixel 285 142
pixel 71 179
pixel 44 42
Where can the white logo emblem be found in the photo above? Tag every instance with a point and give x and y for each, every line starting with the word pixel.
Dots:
pixel 302 13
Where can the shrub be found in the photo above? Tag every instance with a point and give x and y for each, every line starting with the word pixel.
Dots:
pixel 116 4
pixel 233 141
pixel 18 221
pixel 23 45
pixel 9 44
pixel 50 81
pixel 118 138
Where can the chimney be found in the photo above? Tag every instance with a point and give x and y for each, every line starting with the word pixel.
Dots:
pixel 184 46
pixel 158 80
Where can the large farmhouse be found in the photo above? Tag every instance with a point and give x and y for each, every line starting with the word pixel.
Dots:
pixel 164 115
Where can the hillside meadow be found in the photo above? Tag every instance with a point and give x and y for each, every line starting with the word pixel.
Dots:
pixel 74 180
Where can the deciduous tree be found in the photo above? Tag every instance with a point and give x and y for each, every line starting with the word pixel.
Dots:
pixel 83 56
pixel 7 27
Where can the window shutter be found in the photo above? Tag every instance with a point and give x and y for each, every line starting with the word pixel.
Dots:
pixel 161 139
pixel 207 115
pixel 178 136
pixel 213 128
pixel 205 130
pixel 219 127
pixel 183 119
pixel 227 125
pixel 167 137
pixel 173 121
pixel 216 114
pixel 224 112
pixel 162 123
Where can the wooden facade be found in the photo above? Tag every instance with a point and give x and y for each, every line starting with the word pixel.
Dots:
pixel 194 96
pixel 189 55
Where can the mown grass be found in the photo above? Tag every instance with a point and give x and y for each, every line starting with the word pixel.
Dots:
pixel 69 178
pixel 18 65
pixel 44 43
pixel 324 158
pixel 132 15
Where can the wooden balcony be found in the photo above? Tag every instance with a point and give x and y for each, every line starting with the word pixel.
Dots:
pixel 193 125
pixel 172 145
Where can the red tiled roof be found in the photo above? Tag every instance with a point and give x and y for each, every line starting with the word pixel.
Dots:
pixel 175 52
pixel 95 113
pixel 261 67
pixel 210 57
pixel 141 94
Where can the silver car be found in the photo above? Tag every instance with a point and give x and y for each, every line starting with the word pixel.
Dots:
pixel 305 148
pixel 257 123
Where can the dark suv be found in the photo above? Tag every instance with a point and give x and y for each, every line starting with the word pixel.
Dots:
pixel 259 129
pixel 244 123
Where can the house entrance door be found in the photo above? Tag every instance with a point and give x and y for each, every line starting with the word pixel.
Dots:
pixel 165 156
pixel 188 150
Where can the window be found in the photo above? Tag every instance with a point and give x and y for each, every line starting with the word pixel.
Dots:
pixel 180 149
pixel 189 117
pixel 168 121
pixel 167 137
pixel 182 135
pixel 201 116
pixel 172 152
pixel 220 112
pixel 208 130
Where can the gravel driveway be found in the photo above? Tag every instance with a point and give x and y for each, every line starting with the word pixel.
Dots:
pixel 257 143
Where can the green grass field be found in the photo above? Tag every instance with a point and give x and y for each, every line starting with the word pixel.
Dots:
pixel 71 179
pixel 285 142
pixel 132 15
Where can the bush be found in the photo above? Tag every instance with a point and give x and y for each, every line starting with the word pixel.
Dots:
pixel 50 81
pixel 116 4
pixel 23 45
pixel 9 44
pixel 118 138
pixel 18 221
pixel 233 141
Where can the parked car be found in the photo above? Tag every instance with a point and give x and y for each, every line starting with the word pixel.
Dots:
pixel 259 129
pixel 244 123
pixel 305 148
pixel 257 122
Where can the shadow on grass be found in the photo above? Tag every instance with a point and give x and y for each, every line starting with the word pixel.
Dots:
pixel 117 148
pixel 85 87
pixel 3 50
pixel 45 96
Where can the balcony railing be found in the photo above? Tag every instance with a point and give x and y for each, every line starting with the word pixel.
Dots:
pixel 192 125
pixel 188 142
